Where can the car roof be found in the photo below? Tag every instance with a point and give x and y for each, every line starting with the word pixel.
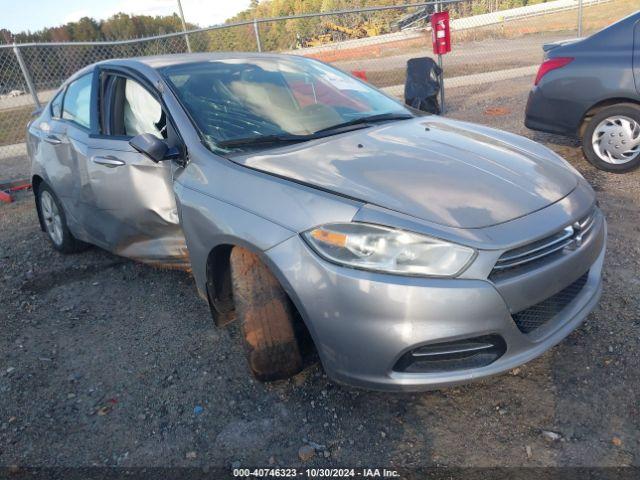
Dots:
pixel 161 61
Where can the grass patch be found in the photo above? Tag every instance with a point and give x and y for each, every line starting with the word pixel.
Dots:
pixel 594 18
pixel 13 124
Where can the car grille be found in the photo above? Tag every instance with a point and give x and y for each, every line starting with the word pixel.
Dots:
pixel 513 261
pixel 531 318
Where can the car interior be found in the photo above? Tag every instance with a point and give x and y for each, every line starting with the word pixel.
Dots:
pixel 244 100
pixel 132 109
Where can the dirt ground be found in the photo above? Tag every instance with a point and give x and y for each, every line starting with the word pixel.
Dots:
pixel 108 362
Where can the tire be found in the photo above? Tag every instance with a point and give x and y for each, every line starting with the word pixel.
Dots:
pixel 609 133
pixel 54 222
pixel 266 318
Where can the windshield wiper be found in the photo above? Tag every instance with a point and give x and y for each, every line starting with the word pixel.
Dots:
pixel 360 122
pixel 380 117
pixel 263 140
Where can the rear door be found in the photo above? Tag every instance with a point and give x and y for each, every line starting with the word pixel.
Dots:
pixel 134 207
pixel 64 144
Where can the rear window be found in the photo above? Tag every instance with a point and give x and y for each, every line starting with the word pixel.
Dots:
pixel 77 101
pixel 56 105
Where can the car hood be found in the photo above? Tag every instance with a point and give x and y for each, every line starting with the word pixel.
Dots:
pixel 443 171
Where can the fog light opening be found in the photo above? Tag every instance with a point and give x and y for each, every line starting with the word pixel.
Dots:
pixel 451 356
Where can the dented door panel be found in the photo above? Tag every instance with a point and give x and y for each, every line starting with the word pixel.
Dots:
pixel 135 213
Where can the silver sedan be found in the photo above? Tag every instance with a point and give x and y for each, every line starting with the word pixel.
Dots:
pixel 410 251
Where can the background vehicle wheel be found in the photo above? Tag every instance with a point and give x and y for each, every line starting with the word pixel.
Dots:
pixel 55 222
pixel 266 318
pixel 611 140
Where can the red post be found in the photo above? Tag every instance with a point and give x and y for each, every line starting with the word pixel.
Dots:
pixel 5 197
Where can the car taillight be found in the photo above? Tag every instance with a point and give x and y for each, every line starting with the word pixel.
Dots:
pixel 551 64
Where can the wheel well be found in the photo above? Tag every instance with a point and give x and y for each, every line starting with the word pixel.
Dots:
pixel 36 181
pixel 219 290
pixel 220 296
pixel 599 106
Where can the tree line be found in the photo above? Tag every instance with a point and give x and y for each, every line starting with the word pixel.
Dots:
pixel 49 65
pixel 120 26
pixel 276 35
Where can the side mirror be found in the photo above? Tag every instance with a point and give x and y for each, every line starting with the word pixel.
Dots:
pixel 154 148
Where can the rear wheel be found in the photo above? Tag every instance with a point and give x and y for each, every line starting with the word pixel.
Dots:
pixel 611 140
pixel 55 222
pixel 266 318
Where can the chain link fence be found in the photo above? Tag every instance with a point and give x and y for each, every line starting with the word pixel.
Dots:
pixel 492 48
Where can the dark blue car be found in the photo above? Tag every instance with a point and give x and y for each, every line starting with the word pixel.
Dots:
pixel 590 88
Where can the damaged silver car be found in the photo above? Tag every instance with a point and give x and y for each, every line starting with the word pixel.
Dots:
pixel 411 251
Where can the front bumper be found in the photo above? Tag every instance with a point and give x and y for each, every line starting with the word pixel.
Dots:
pixel 363 322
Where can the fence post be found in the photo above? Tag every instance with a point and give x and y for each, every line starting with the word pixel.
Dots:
pixel 184 27
pixel 579 18
pixel 443 110
pixel 256 30
pixel 27 75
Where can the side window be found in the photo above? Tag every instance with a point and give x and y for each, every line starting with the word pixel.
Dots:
pixel 142 112
pixel 77 101
pixel 56 105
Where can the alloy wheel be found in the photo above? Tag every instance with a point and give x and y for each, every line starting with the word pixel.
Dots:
pixel 52 218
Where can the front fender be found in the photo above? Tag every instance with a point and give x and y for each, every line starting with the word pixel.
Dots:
pixel 208 222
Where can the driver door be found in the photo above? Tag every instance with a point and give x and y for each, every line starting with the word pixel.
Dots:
pixel 134 207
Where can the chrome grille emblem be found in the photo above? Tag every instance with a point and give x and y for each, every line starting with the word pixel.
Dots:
pixel 577 228
pixel 577 236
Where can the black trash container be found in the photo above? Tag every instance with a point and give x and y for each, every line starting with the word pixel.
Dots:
pixel 422 85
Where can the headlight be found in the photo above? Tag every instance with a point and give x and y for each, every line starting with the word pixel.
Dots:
pixel 374 247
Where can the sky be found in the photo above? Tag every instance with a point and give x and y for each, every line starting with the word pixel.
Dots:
pixel 33 15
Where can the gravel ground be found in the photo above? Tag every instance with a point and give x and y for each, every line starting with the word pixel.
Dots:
pixel 104 361
pixel 467 58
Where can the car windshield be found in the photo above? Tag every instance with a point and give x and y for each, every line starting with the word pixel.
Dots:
pixel 246 103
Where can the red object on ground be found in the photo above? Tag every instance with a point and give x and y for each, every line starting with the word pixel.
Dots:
pixel 361 74
pixel 551 64
pixel 440 33
pixel 5 197
pixel 14 186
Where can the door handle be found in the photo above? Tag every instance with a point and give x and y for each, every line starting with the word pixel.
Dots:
pixel 109 161
pixel 52 139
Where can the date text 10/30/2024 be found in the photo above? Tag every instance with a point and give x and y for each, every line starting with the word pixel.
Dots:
pixel 315 473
